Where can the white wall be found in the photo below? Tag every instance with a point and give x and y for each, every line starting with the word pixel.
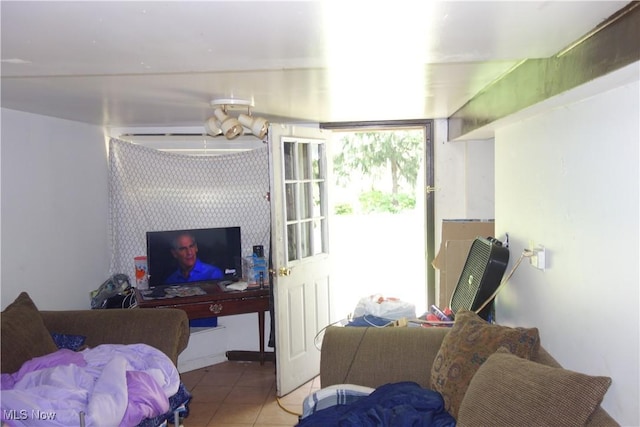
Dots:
pixel 480 179
pixel 54 210
pixel 568 179
pixel 463 178
pixel 55 218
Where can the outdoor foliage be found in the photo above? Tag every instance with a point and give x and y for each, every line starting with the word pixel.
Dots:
pixel 393 157
pixel 343 209
pixel 377 201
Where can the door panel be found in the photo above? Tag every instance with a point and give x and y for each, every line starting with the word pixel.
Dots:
pixel 295 306
pixel 300 250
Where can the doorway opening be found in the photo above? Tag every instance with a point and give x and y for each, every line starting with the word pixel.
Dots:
pixel 381 233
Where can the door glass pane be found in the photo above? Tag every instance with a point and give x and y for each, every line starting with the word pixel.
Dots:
pixel 292 239
pixel 315 160
pixel 318 193
pixel 305 189
pixel 305 201
pixel 305 239
pixel 290 195
pixel 289 148
pixel 303 161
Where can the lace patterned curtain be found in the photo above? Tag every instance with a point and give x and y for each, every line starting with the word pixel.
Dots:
pixel 152 190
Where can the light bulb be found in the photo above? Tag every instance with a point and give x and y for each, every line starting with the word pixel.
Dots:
pixel 212 127
pixel 258 125
pixel 231 128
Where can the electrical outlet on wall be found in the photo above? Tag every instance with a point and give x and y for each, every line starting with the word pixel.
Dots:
pixel 539 257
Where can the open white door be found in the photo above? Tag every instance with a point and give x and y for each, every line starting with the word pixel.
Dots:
pixel 300 250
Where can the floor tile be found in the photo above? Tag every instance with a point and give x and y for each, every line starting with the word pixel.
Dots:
pixel 210 393
pixel 241 394
pixel 273 414
pixel 236 413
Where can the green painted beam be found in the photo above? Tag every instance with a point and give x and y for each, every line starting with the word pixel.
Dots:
pixel 609 47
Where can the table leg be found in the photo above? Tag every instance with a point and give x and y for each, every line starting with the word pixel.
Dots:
pixel 260 356
pixel 261 332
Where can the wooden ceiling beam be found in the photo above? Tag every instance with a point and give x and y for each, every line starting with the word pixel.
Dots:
pixel 609 47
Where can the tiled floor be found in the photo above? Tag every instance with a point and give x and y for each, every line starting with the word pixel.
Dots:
pixel 241 394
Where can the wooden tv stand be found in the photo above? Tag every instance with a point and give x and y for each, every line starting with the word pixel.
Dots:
pixel 216 302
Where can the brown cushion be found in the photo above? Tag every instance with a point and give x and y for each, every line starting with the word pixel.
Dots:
pixel 471 341
pixel 24 335
pixel 510 391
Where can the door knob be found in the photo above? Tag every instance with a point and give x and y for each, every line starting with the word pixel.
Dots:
pixel 284 271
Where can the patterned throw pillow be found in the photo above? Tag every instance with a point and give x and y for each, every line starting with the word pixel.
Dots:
pixel 510 391
pixel 70 342
pixel 469 343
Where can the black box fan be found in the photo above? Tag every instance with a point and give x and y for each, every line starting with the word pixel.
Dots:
pixel 481 276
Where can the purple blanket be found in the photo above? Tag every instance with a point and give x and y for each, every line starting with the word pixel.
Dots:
pixel 112 385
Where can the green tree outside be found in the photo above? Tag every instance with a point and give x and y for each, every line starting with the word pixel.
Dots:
pixel 383 155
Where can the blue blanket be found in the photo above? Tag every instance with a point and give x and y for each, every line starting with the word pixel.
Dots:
pixel 400 404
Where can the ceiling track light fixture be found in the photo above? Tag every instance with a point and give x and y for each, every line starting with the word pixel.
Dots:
pixel 224 124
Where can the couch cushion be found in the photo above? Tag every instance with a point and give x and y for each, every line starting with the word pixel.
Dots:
pixel 24 335
pixel 510 391
pixel 471 341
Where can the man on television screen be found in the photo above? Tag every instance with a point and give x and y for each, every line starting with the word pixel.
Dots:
pixel 184 249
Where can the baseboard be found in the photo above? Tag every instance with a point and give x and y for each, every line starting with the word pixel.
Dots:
pixel 200 362
pixel 251 356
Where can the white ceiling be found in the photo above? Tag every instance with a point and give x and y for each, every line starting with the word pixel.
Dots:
pixel 158 64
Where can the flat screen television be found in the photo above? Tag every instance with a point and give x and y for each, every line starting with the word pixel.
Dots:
pixel 217 250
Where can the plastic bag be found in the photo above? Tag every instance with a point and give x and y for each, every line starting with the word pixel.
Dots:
pixel 116 285
pixel 388 308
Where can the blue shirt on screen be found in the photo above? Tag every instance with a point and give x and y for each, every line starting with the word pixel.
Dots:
pixel 200 271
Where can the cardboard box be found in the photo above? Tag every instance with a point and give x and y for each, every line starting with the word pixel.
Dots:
pixel 457 237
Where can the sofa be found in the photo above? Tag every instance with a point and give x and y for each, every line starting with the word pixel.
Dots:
pixel 91 367
pixel 487 374
pixel 27 331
